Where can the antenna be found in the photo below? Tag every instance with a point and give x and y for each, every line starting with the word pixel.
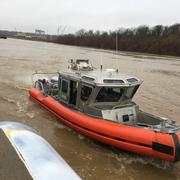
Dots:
pixel 117 51
pixel 101 62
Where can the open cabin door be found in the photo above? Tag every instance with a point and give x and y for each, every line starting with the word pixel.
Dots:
pixel 65 90
pixel 68 91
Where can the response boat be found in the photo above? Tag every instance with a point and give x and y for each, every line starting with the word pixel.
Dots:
pixel 98 103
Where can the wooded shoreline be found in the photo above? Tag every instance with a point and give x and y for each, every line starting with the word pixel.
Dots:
pixel 162 40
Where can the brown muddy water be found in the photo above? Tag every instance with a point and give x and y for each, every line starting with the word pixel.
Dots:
pixel 159 94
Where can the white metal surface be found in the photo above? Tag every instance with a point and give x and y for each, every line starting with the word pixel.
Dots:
pixel 41 160
pixel 116 115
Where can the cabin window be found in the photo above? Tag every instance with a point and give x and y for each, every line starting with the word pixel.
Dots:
pixel 64 86
pixel 109 94
pixel 129 92
pixel 132 80
pixel 88 78
pixel 115 94
pixel 113 81
pixel 85 92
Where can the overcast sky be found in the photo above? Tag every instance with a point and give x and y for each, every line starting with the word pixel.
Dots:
pixel 28 15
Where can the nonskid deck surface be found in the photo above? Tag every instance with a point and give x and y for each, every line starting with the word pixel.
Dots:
pixel 148 119
pixel 156 123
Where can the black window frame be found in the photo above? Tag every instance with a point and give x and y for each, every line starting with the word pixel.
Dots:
pixel 87 86
pixel 103 97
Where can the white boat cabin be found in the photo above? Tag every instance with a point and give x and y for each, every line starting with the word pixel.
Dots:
pixel 99 93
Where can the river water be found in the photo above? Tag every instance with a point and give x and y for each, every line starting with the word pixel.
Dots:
pixel 159 94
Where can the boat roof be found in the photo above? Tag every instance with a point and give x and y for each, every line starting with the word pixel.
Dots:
pixel 108 77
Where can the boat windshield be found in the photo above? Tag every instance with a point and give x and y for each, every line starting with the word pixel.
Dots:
pixel 116 94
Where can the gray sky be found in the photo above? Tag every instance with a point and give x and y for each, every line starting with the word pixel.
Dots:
pixel 27 15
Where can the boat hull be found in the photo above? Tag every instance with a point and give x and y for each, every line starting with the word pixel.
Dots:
pixel 138 140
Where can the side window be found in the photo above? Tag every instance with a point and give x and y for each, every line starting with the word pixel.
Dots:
pixel 64 86
pixel 85 92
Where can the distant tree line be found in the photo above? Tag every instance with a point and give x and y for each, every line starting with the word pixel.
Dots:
pixel 158 39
